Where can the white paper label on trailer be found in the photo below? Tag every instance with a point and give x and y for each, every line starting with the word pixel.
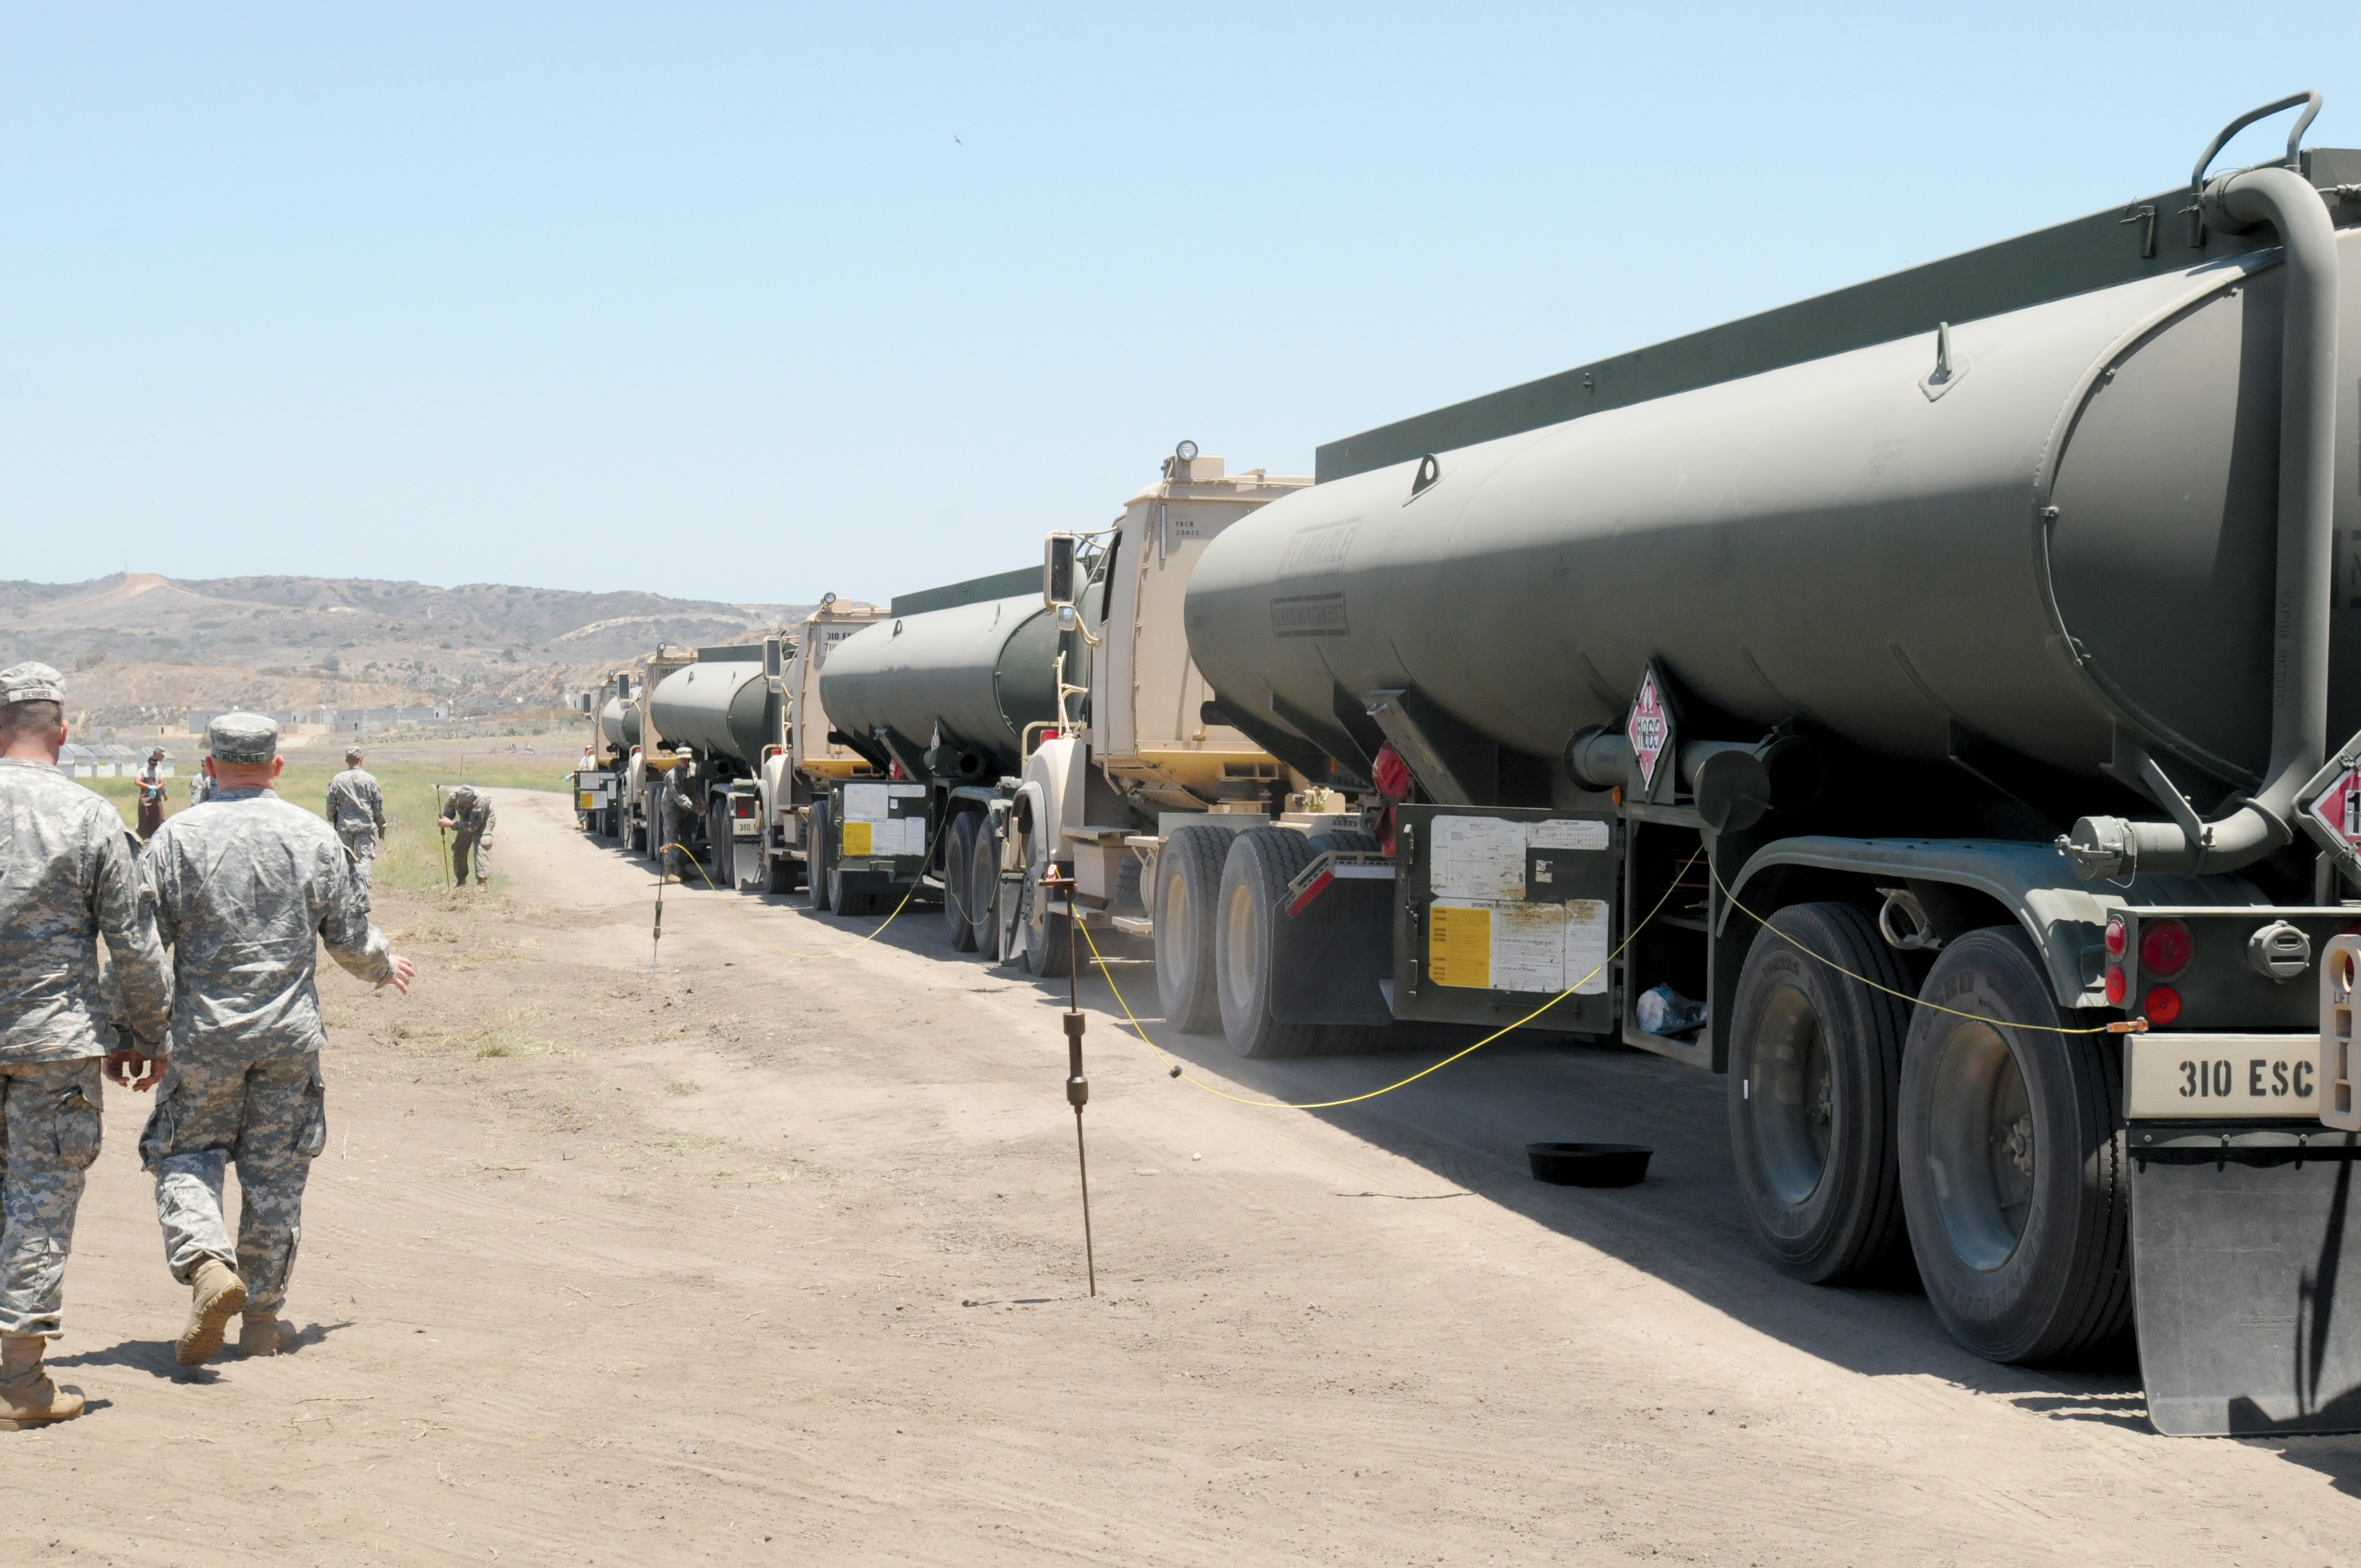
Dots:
pixel 864 803
pixel 905 792
pixel 1529 947
pixel 1578 835
pixel 1476 856
pixel 913 836
pixel 1585 941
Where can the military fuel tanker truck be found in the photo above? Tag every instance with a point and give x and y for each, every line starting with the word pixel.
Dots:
pixel 1926 704
pixel 717 718
pixel 614 733
pixel 944 697
pixel 811 760
pixel 1098 800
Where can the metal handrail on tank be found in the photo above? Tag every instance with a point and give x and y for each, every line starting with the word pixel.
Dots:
pixel 2259 825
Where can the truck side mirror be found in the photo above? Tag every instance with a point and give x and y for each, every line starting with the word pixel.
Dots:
pixel 1057 573
pixel 623 688
pixel 774 659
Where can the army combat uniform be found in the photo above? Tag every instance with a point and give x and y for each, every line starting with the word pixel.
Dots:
pixel 246 892
pixel 471 822
pixel 68 877
pixel 356 810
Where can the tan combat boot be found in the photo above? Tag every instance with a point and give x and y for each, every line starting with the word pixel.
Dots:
pixel 27 1397
pixel 261 1334
pixel 214 1296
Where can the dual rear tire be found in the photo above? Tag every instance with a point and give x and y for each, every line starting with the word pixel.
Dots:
pixel 1965 1134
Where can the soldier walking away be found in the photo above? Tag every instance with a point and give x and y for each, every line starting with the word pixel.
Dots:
pixel 151 794
pixel 68 877
pixel 246 893
pixel 467 812
pixel 356 811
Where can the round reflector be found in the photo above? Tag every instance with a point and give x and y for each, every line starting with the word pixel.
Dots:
pixel 2161 1005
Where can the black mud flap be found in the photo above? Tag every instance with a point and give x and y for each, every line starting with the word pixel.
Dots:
pixel 2246 1266
pixel 1335 956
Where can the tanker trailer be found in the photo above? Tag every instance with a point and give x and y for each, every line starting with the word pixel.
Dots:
pixel 645 760
pixel 598 778
pixel 1913 703
pixel 720 717
pixel 793 777
pixel 1147 761
pixel 946 697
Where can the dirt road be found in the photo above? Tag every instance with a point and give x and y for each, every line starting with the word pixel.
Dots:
pixel 777 1259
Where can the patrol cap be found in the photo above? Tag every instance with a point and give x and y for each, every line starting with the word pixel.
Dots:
pixel 242 738
pixel 31 682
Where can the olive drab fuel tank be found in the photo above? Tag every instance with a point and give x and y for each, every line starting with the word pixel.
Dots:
pixel 978 673
pixel 618 724
pixel 723 706
pixel 2071 524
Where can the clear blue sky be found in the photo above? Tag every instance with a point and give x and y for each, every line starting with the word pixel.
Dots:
pixel 752 302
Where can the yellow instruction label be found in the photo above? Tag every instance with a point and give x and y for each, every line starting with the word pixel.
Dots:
pixel 1459 946
pixel 856 837
pixel 583 801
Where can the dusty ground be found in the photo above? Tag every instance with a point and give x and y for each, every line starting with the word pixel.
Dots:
pixel 778 1260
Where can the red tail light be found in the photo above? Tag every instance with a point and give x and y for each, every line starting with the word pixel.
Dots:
pixel 2119 937
pixel 2166 948
pixel 2161 1005
pixel 2117 988
pixel 744 806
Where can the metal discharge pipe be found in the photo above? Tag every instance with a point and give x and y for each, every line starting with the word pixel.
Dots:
pixel 2259 825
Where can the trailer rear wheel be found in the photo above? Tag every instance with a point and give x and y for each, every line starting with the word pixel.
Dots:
pixel 959 916
pixel 1188 900
pixel 2013 1168
pixel 816 887
pixel 984 886
pixel 721 835
pixel 1253 900
pixel 1814 1068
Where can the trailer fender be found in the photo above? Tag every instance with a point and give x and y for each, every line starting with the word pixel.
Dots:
pixel 2065 917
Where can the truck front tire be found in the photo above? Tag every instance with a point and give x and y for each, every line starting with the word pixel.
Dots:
pixel 1815 1071
pixel 2013 1167
pixel 1188 898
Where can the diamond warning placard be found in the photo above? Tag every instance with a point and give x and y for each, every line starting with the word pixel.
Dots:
pixel 2337 808
pixel 1649 729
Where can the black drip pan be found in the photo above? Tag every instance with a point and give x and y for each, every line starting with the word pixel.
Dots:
pixel 1589 1164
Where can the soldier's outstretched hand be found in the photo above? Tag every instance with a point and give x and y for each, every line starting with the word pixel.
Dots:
pixel 403 972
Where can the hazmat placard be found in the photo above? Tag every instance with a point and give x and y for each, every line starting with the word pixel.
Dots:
pixel 1649 729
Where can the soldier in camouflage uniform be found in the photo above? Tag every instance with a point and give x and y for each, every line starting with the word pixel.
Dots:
pixel 69 876
pixel 356 811
pixel 247 893
pixel 468 812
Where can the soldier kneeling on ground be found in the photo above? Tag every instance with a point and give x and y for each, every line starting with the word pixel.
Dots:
pixel 247 893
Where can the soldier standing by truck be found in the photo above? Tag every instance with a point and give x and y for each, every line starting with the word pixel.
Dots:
pixel 356 811
pixel 469 814
pixel 246 894
pixel 68 877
